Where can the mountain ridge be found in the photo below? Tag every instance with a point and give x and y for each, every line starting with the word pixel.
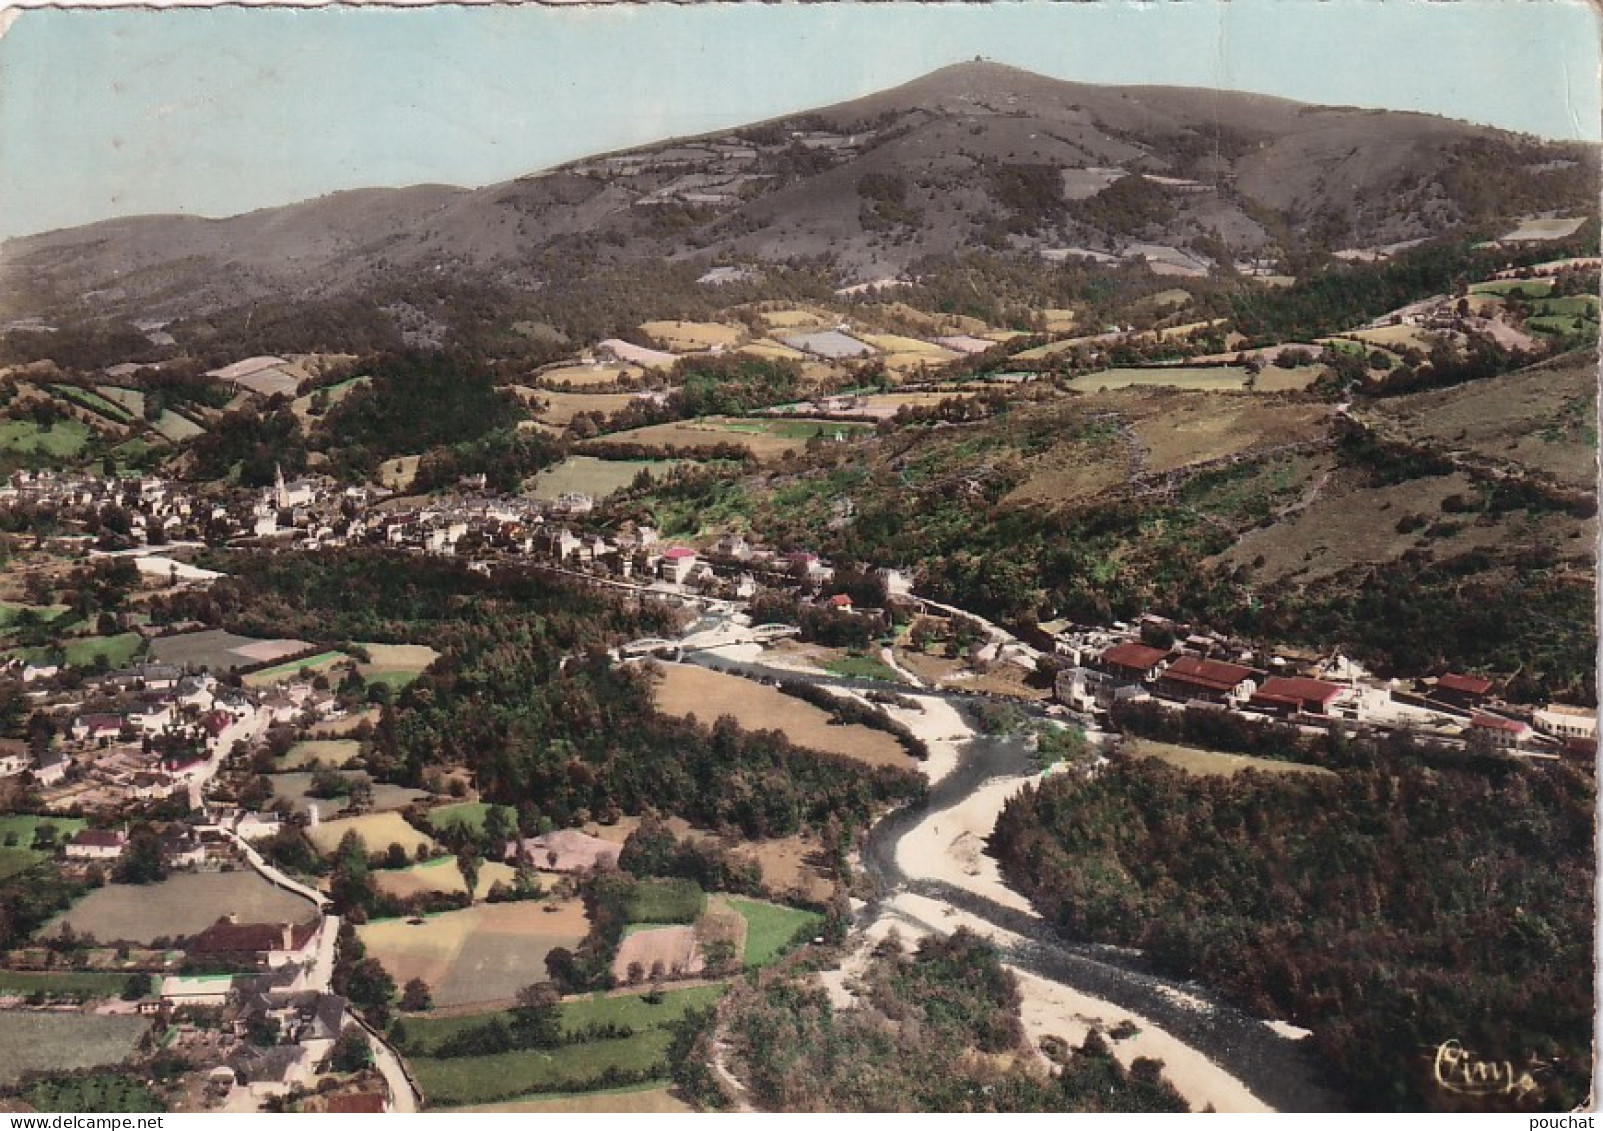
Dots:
pixel 971 155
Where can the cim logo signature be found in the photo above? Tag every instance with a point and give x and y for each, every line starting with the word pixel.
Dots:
pixel 1460 1071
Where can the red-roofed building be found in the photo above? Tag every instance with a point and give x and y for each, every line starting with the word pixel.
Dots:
pixel 1134 663
pixel 357 1103
pixel 1212 681
pixel 97 844
pixel 1290 695
pixel 841 602
pixel 1503 733
pixel 1462 690
pixel 268 944
pixel 677 564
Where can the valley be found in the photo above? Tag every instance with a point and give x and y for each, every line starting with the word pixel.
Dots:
pixel 519 648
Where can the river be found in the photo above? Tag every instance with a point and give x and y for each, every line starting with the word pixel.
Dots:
pixel 1276 1069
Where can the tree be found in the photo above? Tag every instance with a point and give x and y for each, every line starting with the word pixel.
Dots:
pixel 141 861
pixel 537 1018
pixel 415 996
pixel 468 862
pixel 137 986
pixel 352 1052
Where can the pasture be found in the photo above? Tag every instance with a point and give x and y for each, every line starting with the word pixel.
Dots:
pixel 397 474
pixel 377 830
pixel 484 953
pixel 771 929
pixel 220 651
pixel 685 690
pixel 82 651
pixel 183 904
pixel 395 664
pixel 130 400
pixel 598 478
pixel 762 438
pixel 63 440
pixel 794 318
pixel 637 1099
pixel 176 427
pixel 693 337
pixel 559 408
pixel 1211 379
pixel 768 348
pixel 1542 229
pixel 325 751
pixel 482 1079
pixel 1274 379
pixel 1214 763
pixel 587 376
pixel 85 985
pixel 64 1042
pixel 321 662
pixel 469 813
pixel 1519 288
pixel 575 1064
pixel 900 343
pixel 441 875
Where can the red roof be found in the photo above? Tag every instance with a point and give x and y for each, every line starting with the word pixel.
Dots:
pixel 1138 657
pixel 1467 684
pixel 1215 675
pixel 356 1103
pixel 101 838
pixel 841 601
pixel 223 937
pixel 1299 688
pixel 678 553
pixel 1498 722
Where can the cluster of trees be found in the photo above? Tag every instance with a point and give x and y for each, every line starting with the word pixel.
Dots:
pixel 1389 907
pixel 414 402
pixel 734 383
pixel 525 697
pixel 938 1030
pixel 653 851
pixel 849 711
pixel 1128 206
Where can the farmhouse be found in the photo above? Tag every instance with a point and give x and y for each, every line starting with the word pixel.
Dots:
pixel 96 728
pixel 1291 695
pixel 1212 681
pixel 266 944
pixel 97 844
pixel 51 767
pixel 1502 733
pixel 13 757
pixel 1461 690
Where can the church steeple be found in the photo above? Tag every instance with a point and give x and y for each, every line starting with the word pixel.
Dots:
pixel 280 492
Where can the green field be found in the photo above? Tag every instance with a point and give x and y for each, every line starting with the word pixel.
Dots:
pixel 103 1092
pixel 772 929
pixel 69 983
pixel 293 668
pixel 425 1032
pixel 393 680
pixel 62 1042
pixel 25 825
pixel 1215 378
pixel 65 439
pixel 862 667
pixel 1531 288
pixel 666 901
pixel 94 402
pixel 469 813
pixel 80 651
pixel 598 478
pixel 484 1079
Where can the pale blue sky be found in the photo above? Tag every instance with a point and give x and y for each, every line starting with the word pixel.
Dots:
pixel 217 111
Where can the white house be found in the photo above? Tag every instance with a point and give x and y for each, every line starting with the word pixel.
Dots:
pixel 97 844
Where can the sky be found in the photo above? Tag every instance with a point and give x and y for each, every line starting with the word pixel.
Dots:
pixel 217 111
